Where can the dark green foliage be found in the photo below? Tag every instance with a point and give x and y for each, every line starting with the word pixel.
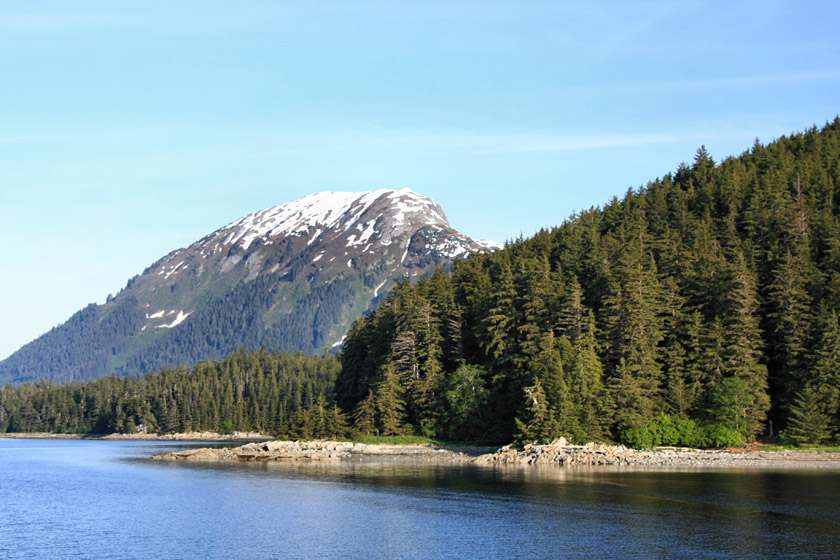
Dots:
pixel 808 424
pixel 257 391
pixel 364 417
pixel 537 421
pixel 225 427
pixel 732 405
pixel 677 431
pixel 390 406
pixel 466 398
pixel 718 435
pixel 680 314
pixel 64 353
pixel 321 421
pixel 824 375
pixel 237 320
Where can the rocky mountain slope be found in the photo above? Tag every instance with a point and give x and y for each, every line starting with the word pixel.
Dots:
pixel 291 277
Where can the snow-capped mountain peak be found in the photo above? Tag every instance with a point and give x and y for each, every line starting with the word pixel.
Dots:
pixel 337 211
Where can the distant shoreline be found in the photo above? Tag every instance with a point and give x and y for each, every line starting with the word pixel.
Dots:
pixel 186 436
pixel 263 448
pixel 553 455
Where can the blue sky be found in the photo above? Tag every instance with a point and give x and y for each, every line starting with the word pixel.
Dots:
pixel 129 129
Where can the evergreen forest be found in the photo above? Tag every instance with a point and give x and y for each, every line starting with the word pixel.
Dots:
pixel 249 391
pixel 700 309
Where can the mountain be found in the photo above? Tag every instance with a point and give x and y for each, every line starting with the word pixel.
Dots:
pixel 291 277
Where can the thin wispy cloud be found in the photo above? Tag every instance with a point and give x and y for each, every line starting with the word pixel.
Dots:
pixel 55 21
pixel 482 142
pixel 266 142
pixel 716 82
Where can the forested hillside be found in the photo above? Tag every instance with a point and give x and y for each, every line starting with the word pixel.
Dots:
pixel 700 309
pixel 255 391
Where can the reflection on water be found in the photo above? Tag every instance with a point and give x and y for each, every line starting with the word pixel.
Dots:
pixel 83 499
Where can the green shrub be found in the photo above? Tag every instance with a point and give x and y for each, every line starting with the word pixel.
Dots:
pixel 678 431
pixel 723 436
pixel 399 440
pixel 667 430
pixel 690 433
pixel 226 426
pixel 637 437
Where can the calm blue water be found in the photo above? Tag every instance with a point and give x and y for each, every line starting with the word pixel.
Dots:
pixel 103 499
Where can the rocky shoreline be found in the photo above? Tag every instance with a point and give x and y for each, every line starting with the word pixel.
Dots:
pixel 558 453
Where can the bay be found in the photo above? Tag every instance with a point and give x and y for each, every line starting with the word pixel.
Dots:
pixel 106 499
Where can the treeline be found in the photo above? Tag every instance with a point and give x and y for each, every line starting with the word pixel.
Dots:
pixel 698 310
pixel 249 391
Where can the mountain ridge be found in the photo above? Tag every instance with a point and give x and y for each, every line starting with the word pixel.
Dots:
pixel 290 277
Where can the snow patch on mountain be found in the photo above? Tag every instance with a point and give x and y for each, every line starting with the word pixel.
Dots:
pixel 178 320
pixel 379 287
pixel 324 210
pixel 490 245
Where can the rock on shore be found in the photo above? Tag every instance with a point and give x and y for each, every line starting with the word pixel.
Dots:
pixel 315 451
pixel 560 453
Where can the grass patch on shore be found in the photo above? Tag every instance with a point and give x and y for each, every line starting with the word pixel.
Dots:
pixel 400 440
pixel 801 449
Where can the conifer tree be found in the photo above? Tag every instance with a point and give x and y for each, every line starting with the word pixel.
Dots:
pixel 634 321
pixel 586 384
pixel 390 405
pixel 731 406
pixel 471 286
pixel 547 367
pixel 502 319
pixel 466 399
pixel 572 311
pixel 427 396
pixel 364 416
pixel 824 373
pixel 807 424
pixel 742 350
pixel 534 415
pixel 447 317
pixel 703 168
pixel 337 426
pixel 538 301
pixel 790 318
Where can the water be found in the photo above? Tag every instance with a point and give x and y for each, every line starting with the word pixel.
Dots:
pixel 104 499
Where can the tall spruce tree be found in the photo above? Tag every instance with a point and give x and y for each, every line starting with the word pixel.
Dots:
pixel 390 405
pixel 742 351
pixel 808 423
pixel 634 325
pixel 790 319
